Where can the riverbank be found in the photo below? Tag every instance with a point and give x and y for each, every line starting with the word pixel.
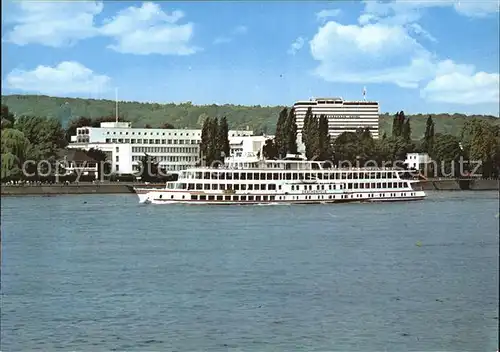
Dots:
pixel 117 188
pixel 48 190
pixel 460 185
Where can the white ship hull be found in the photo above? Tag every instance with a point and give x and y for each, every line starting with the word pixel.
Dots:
pixel 282 182
pixel 175 197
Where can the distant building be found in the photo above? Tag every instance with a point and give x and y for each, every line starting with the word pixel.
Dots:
pixel 343 115
pixel 417 161
pixel 247 146
pixel 173 149
pixel 76 161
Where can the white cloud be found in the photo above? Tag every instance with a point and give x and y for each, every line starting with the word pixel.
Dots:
pixel 324 14
pixel 477 8
pixel 240 30
pixel 374 53
pixel 417 29
pixel 466 88
pixel 385 47
pixel 149 30
pixel 408 12
pixel 411 10
pixel 66 77
pixel 222 40
pixel 52 24
pixel 296 45
pixel 135 30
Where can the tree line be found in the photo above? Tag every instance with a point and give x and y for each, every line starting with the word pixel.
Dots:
pixel 28 138
pixel 36 138
pixel 214 146
pixel 479 142
pixel 260 119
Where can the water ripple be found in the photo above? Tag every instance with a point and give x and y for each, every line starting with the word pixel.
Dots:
pixel 112 275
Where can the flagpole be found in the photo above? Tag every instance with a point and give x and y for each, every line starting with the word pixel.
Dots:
pixel 116 103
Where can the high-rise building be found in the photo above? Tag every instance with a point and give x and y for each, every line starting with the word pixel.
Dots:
pixel 343 115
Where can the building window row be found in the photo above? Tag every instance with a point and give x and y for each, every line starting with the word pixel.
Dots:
pixel 169 134
pixel 167 158
pixel 144 133
pixel 152 141
pixel 167 167
pixel 169 150
pixel 151 133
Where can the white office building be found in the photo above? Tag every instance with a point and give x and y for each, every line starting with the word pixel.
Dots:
pixel 247 146
pixel 343 115
pixel 417 161
pixel 125 146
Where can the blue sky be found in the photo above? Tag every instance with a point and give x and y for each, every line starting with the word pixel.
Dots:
pixel 416 56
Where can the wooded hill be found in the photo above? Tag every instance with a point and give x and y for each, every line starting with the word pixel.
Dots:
pixel 260 119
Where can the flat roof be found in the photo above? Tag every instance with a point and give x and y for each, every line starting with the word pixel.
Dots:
pixel 340 100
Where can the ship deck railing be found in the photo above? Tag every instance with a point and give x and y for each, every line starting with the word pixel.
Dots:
pixel 208 168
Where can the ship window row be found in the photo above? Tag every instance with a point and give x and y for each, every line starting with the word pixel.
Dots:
pixel 259 198
pixel 152 141
pixel 170 150
pixel 288 175
pixel 249 198
pixel 368 185
pixel 362 185
pixel 273 187
pixel 316 188
pixel 225 187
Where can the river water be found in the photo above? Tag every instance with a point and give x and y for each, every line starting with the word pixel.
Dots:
pixel 102 273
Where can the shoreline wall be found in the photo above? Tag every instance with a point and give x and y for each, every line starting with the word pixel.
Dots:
pixel 479 185
pixel 123 188
pixel 460 185
pixel 46 190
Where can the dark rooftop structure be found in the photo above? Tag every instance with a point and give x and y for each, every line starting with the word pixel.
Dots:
pixel 75 155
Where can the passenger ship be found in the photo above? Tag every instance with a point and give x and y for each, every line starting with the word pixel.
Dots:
pixel 288 181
